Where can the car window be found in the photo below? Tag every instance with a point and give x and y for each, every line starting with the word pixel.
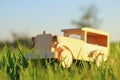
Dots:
pixel 75 36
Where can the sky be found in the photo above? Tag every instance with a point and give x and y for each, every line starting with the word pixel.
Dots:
pixel 32 17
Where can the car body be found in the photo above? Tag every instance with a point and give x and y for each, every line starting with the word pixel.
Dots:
pixel 86 44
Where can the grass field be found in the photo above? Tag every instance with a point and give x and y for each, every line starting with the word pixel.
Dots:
pixel 13 66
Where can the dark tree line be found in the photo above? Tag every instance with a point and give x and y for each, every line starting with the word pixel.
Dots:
pixel 25 41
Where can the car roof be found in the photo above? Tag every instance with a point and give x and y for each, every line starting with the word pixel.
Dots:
pixel 91 30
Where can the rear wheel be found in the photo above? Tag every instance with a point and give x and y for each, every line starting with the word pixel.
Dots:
pixel 99 60
pixel 66 58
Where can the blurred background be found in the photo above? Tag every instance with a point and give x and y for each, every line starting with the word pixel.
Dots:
pixel 22 19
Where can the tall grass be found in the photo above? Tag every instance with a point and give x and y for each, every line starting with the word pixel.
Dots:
pixel 13 66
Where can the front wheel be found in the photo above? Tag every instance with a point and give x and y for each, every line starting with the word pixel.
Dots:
pixel 66 58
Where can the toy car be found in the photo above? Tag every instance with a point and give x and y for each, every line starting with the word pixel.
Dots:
pixel 86 44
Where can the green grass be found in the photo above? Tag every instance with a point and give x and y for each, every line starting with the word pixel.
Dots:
pixel 13 66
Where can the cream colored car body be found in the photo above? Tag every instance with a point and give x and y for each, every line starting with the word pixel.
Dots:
pixel 93 45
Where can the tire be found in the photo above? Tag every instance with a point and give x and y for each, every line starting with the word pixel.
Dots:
pixel 66 58
pixel 99 60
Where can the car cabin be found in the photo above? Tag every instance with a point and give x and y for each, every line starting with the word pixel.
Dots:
pixel 89 35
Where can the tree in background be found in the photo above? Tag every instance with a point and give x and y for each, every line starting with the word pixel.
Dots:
pixel 24 40
pixel 89 18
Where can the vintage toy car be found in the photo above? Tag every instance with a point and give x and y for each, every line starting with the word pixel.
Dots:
pixel 86 44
